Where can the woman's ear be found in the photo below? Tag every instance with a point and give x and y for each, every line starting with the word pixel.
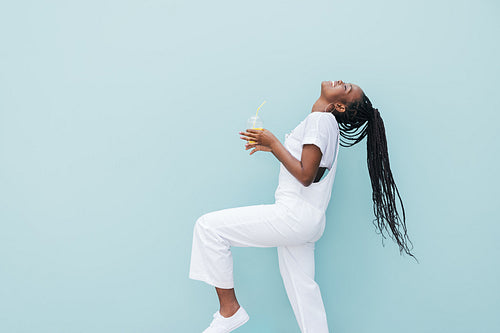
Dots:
pixel 339 107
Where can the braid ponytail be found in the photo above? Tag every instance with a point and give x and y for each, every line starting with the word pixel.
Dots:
pixel 360 119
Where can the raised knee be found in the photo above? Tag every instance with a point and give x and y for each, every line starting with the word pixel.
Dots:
pixel 203 222
pixel 206 225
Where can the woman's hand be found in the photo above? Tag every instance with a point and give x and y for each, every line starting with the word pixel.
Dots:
pixel 262 140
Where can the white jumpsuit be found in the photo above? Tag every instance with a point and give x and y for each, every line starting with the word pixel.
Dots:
pixel 292 224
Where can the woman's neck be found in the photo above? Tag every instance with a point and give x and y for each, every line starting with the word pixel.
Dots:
pixel 320 106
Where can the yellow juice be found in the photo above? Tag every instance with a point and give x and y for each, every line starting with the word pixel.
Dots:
pixel 257 128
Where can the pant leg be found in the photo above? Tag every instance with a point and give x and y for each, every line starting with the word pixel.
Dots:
pixel 296 265
pixel 256 226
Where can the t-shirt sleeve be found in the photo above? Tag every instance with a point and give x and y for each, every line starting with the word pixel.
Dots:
pixel 316 131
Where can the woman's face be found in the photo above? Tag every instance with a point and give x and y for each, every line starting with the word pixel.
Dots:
pixel 339 93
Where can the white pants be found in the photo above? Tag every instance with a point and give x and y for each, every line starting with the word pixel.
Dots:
pixel 293 228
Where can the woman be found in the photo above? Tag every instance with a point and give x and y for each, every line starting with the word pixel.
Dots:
pixel 297 218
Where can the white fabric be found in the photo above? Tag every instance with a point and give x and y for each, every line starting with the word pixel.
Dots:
pixel 317 194
pixel 292 224
pixel 318 128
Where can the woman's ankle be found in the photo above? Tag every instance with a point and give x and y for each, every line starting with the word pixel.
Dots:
pixel 229 310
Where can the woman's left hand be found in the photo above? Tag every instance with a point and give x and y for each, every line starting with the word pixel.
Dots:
pixel 262 139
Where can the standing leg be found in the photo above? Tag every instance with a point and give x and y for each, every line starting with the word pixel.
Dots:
pixel 296 265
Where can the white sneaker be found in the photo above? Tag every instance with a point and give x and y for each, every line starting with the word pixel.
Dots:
pixel 221 324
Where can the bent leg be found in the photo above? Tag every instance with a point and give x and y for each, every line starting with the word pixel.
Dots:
pixel 215 232
pixel 296 265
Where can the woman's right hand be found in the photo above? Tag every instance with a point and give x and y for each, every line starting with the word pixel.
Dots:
pixel 257 147
pixel 259 140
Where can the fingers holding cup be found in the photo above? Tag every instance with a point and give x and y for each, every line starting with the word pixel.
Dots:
pixel 249 136
pixel 255 134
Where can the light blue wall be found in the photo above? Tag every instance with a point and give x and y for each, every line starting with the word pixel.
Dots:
pixel 119 127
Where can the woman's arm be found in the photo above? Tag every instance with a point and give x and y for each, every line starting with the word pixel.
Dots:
pixel 304 170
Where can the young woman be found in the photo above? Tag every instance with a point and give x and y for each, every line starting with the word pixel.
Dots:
pixel 297 218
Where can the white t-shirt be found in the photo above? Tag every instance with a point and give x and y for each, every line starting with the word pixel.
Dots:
pixel 318 128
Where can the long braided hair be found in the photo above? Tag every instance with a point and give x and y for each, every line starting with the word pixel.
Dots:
pixel 361 119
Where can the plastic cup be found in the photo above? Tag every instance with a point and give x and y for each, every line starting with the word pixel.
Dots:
pixel 255 122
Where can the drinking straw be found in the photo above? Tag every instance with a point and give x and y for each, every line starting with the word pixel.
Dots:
pixel 257 114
